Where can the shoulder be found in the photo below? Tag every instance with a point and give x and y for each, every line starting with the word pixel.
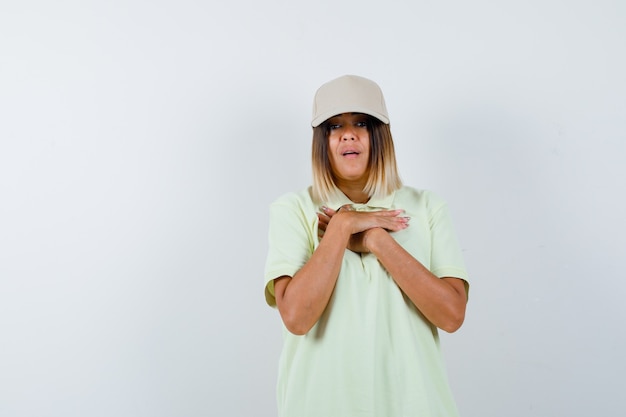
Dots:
pixel 295 200
pixel 425 199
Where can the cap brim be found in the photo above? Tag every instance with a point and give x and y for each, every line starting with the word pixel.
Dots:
pixel 321 118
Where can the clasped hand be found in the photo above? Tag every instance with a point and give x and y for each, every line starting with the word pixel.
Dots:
pixel 362 225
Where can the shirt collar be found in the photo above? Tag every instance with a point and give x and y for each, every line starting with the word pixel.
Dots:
pixel 379 203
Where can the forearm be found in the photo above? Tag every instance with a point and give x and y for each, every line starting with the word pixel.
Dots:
pixel 302 299
pixel 442 303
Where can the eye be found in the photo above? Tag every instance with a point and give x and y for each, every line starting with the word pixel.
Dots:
pixel 362 124
pixel 334 126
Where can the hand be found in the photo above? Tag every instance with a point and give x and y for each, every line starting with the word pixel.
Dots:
pixel 362 224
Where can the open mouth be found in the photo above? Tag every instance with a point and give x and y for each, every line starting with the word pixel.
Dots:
pixel 346 153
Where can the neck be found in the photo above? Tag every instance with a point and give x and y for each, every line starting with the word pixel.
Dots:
pixel 354 192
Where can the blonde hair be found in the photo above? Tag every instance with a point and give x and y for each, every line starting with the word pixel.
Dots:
pixel 383 176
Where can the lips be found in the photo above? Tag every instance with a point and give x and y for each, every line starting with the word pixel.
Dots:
pixel 350 152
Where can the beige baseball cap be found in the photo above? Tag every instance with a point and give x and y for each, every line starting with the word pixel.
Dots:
pixel 349 94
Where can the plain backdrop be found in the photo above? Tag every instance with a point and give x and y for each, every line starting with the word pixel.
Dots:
pixel 141 143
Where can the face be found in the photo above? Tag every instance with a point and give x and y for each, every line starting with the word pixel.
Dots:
pixel 349 148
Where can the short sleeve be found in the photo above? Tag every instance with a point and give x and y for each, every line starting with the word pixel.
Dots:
pixel 446 255
pixel 291 240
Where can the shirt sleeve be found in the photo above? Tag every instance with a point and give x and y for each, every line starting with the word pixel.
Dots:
pixel 446 255
pixel 292 236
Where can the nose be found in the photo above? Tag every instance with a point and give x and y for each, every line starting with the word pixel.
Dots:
pixel 348 133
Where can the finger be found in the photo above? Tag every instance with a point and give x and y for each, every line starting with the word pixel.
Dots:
pixel 328 212
pixel 386 220
pixel 398 223
pixel 322 221
pixel 388 213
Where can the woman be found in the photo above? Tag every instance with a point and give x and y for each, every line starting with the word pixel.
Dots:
pixel 363 271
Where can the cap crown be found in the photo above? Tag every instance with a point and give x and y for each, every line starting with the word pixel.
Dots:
pixel 349 94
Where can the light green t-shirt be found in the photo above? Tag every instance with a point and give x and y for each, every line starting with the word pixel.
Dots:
pixel 372 353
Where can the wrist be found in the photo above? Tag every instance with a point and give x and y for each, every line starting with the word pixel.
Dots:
pixel 340 227
pixel 371 237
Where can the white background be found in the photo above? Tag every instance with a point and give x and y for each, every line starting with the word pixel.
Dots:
pixel 141 143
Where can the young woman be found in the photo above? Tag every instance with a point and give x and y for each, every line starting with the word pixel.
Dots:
pixel 363 271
